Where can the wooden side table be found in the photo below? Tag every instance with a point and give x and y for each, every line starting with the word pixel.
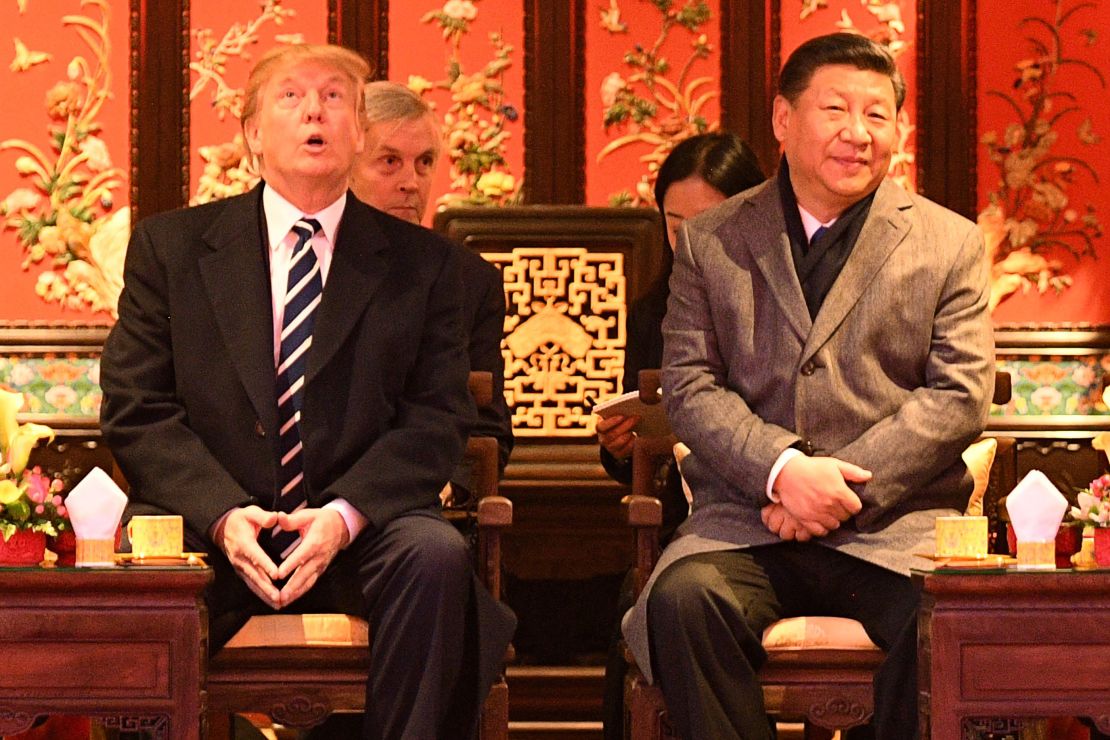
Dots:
pixel 127 645
pixel 1012 644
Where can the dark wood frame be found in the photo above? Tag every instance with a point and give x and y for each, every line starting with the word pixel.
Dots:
pixel 555 132
pixel 946 60
pixel 559 484
pixel 750 52
pixel 159 106
pixel 77 445
pixel 362 25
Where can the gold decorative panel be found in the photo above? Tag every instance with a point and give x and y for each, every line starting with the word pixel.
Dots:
pixel 564 336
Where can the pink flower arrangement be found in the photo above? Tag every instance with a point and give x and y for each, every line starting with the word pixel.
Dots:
pixel 1093 508
pixel 34 502
pixel 29 500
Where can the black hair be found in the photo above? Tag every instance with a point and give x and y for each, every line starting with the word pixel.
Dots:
pixel 850 49
pixel 721 159
pixel 724 161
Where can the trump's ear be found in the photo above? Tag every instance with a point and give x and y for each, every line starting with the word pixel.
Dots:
pixel 780 116
pixel 360 137
pixel 252 135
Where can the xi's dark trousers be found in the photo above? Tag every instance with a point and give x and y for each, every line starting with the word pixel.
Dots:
pixel 706 615
pixel 414 582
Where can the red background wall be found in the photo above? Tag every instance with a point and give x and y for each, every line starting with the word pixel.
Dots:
pixel 40 28
pixel 418 48
pixel 621 170
pixel 1001 45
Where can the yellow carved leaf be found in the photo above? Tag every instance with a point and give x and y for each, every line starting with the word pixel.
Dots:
pixel 25 58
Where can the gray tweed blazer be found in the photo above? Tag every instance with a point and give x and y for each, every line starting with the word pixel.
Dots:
pixel 895 373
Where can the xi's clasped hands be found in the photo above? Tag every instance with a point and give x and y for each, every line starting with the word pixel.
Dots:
pixel 323 534
pixel 814 497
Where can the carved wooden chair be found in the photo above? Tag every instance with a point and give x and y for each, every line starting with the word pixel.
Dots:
pixel 299 669
pixel 826 683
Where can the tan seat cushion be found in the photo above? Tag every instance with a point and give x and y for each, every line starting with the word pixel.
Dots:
pixel 302 630
pixel 813 633
pixel 978 458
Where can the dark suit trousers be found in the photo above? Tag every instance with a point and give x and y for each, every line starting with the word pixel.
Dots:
pixel 707 613
pixel 414 583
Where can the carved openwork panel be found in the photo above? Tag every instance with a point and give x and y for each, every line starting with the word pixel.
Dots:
pixel 564 335
pixel 569 275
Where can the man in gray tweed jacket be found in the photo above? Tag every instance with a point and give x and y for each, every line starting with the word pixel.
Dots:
pixel 828 355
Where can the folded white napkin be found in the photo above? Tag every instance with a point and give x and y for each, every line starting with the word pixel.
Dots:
pixel 1036 508
pixel 96 506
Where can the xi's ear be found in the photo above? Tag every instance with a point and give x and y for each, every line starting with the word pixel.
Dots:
pixel 780 116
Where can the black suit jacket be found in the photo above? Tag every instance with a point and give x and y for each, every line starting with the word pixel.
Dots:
pixel 188 371
pixel 484 316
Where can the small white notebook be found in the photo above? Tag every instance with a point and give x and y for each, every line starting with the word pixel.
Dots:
pixel 653 418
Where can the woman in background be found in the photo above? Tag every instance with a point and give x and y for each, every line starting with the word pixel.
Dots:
pixel 699 173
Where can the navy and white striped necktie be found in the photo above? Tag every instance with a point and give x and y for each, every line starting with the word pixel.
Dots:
pixel 302 296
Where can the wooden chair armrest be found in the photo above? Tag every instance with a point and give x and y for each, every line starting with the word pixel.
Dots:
pixel 647 454
pixel 649 383
pixel 644 514
pixel 642 511
pixel 495 511
pixel 1003 388
pixel 483 454
pixel 494 514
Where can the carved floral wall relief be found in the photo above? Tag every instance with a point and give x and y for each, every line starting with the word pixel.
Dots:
pixel 656 99
pixel 478 120
pixel 1031 221
pixel 71 228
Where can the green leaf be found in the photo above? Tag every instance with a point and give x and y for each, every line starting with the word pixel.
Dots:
pixel 18 511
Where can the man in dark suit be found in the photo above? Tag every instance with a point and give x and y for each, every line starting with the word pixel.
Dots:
pixel 394 174
pixel 828 354
pixel 288 373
